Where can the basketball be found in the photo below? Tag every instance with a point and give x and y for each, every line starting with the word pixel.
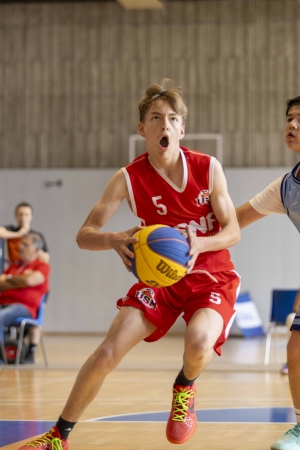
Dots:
pixel 161 255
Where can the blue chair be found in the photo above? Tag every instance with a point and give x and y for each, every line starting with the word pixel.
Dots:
pixel 282 305
pixel 23 322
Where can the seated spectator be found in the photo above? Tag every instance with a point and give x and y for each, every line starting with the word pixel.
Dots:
pixel 22 285
pixel 13 233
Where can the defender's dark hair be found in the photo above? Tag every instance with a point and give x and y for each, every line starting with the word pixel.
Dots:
pixel 166 91
pixel 25 204
pixel 292 102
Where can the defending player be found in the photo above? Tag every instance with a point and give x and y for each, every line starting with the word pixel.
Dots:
pixel 282 196
pixel 180 188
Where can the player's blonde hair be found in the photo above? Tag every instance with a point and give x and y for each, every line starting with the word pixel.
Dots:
pixel 166 91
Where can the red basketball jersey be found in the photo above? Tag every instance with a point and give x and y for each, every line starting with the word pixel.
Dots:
pixel 155 199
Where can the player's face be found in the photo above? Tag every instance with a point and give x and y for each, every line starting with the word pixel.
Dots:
pixel 292 129
pixel 163 128
pixel 24 216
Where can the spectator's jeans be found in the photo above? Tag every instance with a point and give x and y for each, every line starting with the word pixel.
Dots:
pixel 8 313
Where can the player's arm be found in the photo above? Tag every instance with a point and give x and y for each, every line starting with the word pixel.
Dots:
pixel 246 215
pixel 225 214
pixel 268 201
pixel 7 234
pixel 90 236
pixel 8 281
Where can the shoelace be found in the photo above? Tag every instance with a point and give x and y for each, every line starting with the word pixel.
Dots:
pixel 55 442
pixel 295 431
pixel 180 404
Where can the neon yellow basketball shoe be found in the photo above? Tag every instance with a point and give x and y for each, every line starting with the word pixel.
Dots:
pixel 182 421
pixel 50 441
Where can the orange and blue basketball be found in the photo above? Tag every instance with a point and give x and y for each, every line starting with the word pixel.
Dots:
pixel 161 255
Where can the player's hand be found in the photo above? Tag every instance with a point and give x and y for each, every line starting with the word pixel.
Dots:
pixel 121 242
pixel 182 231
pixel 196 247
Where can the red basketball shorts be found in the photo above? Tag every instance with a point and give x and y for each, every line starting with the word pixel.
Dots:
pixel 162 306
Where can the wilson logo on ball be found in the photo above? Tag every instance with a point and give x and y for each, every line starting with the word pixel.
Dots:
pixel 161 255
pixel 167 270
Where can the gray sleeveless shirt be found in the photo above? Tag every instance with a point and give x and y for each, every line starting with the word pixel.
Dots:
pixel 290 196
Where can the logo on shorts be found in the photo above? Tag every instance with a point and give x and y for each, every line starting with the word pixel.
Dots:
pixel 146 296
pixel 203 198
pixel 121 302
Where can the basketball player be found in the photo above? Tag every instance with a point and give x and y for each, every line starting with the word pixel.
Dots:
pixel 181 188
pixel 283 196
pixel 288 323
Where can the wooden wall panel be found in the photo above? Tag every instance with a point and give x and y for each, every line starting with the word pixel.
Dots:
pixel 71 76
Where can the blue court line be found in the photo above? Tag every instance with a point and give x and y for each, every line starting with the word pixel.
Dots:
pixel 17 430
pixel 255 415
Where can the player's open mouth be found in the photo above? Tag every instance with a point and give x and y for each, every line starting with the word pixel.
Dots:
pixel 164 142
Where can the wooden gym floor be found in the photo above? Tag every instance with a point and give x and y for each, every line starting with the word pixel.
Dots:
pixel 241 403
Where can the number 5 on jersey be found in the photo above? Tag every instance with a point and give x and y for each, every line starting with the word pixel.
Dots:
pixel 215 298
pixel 162 209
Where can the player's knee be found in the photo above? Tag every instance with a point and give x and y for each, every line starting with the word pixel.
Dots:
pixel 105 358
pixel 198 347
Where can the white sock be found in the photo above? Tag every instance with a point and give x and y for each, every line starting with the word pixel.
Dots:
pixel 297 412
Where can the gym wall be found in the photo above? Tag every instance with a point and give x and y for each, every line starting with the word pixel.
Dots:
pixel 71 75
pixel 85 285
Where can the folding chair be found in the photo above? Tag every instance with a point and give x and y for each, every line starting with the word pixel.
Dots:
pixel 23 322
pixel 282 305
